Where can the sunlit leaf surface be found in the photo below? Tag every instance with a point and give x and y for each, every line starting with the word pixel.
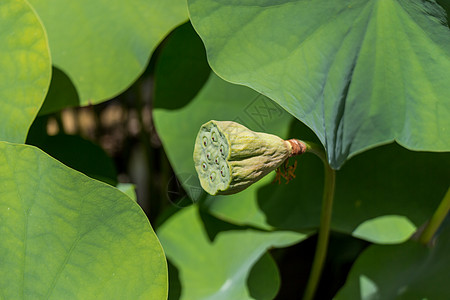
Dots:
pixel 25 69
pixel 103 46
pixel 67 236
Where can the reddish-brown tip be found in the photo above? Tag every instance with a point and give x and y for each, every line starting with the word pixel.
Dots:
pixel 298 147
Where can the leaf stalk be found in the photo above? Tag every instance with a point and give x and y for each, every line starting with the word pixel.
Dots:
pixel 436 220
pixel 325 221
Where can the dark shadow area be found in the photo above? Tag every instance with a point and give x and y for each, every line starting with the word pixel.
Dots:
pixel 446 5
pixel 391 181
pixel 213 226
pixel 174 282
pixel 61 93
pixel 295 262
pixel 181 69
pixel 295 205
pixel 75 152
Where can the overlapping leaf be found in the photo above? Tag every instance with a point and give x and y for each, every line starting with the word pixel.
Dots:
pixel 405 271
pixel 359 73
pixel 104 46
pixel 264 279
pixel 218 267
pixel 25 69
pixel 64 235
pixel 128 189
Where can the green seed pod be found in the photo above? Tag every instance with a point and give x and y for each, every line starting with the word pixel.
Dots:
pixel 229 157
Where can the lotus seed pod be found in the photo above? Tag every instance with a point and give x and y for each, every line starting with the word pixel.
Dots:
pixel 229 157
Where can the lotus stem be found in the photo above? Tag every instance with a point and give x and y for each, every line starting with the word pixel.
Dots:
pixel 436 220
pixel 325 221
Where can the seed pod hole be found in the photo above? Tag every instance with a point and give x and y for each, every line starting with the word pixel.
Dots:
pixel 216 160
pixel 204 166
pixel 208 156
pixel 222 171
pixel 212 176
pixel 205 141
pixel 214 136
pixel 222 151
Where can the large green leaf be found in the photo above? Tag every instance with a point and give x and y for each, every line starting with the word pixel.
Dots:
pixel 405 271
pixel 25 69
pixel 217 267
pixel 67 236
pixel 359 73
pixel 103 46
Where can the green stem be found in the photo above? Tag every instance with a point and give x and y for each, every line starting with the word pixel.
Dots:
pixel 317 150
pixel 436 220
pixel 325 220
